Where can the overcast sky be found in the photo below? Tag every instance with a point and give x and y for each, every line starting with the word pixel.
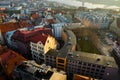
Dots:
pixel 92 3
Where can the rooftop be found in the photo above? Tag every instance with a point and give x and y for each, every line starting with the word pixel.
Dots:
pixel 40 37
pixel 32 29
pixel 92 58
pixel 70 42
pixel 25 23
pixel 39 71
pixel 35 16
pixel 58 76
pixel 10 59
pixel 52 52
pixel 9 27
pixel 25 34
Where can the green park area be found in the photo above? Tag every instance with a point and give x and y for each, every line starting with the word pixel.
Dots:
pixel 85 45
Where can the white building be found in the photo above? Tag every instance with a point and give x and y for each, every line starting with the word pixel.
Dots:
pixel 40 45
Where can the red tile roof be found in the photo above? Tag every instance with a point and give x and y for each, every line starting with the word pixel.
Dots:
pixel 25 35
pixel 41 37
pixel 14 25
pixel 8 27
pixel 24 23
pixel 2 14
pixel 9 60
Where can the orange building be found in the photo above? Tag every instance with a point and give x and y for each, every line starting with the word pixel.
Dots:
pixel 9 60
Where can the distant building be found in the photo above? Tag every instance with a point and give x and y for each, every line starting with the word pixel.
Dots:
pixel 57 30
pixel 61 18
pixel 40 45
pixel 29 70
pixel 94 20
pixel 25 11
pixel 49 19
pixel 115 26
pixel 5 4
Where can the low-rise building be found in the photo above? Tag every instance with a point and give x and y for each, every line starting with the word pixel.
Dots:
pixel 40 45
pixel 82 63
pixel 9 60
pixel 29 70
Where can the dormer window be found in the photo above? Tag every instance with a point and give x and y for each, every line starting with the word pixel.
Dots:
pixel 48 41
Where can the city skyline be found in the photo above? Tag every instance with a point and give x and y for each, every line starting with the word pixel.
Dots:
pixel 111 4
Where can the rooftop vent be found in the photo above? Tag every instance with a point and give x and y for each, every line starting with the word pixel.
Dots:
pixel 98 59
pixel 107 63
pixel 70 53
pixel 77 55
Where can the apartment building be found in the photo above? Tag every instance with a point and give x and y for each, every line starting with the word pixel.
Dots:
pixel 82 63
pixel 40 45
pixel 92 19
pixel 21 38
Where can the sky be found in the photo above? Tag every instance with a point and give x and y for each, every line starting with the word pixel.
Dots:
pixel 110 4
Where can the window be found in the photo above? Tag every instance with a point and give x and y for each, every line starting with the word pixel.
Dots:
pixel 34 56
pixel 39 47
pixel 98 66
pixel 89 64
pixel 47 41
pixel 61 61
pixel 60 65
pixel 48 47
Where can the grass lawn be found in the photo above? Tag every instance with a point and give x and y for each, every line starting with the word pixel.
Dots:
pixel 86 46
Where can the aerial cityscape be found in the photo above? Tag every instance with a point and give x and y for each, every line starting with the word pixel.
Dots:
pixel 59 40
